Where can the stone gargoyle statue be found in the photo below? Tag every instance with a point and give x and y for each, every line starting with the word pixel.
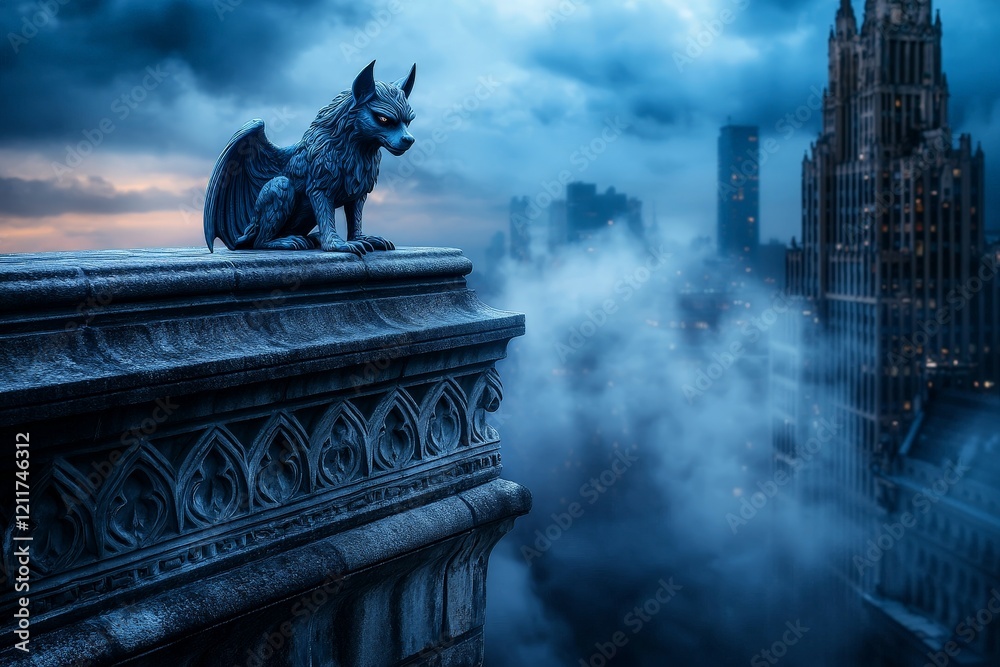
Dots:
pixel 261 196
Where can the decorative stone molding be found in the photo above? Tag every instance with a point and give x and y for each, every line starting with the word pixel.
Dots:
pixel 194 417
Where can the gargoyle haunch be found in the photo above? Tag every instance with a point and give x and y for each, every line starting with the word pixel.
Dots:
pixel 261 196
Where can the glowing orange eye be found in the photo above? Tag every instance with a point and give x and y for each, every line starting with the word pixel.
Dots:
pixel 383 120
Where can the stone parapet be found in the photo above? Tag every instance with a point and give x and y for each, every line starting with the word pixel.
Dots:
pixel 252 458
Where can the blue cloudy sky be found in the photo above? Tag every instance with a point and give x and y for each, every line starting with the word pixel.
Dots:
pixel 114 112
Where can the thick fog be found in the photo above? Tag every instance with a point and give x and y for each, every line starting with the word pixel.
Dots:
pixel 123 107
pixel 643 547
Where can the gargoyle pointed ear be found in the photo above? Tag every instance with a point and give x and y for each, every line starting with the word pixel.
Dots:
pixel 406 83
pixel 364 85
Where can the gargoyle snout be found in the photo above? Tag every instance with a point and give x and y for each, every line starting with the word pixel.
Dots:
pixel 400 143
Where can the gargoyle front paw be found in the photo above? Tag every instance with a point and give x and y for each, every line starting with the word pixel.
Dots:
pixel 358 248
pixel 376 242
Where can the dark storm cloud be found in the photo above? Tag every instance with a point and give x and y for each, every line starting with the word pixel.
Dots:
pixel 658 108
pixel 602 68
pixel 231 60
pixel 658 76
pixel 85 54
pixel 632 57
pixel 38 198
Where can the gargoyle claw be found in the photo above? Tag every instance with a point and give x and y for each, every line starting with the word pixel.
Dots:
pixel 353 247
pixel 376 242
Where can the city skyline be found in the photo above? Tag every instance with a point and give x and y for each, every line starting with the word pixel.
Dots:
pixel 712 377
pixel 153 117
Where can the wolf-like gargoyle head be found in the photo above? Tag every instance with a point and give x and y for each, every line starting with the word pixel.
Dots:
pixel 383 112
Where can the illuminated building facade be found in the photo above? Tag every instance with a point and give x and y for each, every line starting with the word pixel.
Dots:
pixel 738 233
pixel 895 282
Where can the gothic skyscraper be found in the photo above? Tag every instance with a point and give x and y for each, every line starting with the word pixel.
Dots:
pixel 892 230
pixel 893 266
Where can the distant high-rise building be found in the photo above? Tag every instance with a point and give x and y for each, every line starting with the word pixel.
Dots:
pixel 587 211
pixel 520 229
pixel 738 232
pixel 557 224
pixel 893 277
pixel 574 219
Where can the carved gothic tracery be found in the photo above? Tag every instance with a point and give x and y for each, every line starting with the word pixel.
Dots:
pixel 220 478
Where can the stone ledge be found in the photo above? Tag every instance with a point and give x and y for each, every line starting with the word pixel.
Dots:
pixel 52 280
pixel 194 417
pixel 159 620
pixel 130 326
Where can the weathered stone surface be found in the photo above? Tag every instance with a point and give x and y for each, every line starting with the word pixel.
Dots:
pixel 216 437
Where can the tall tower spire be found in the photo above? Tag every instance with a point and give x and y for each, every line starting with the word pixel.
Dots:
pixel 895 14
pixel 847 24
pixel 892 218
